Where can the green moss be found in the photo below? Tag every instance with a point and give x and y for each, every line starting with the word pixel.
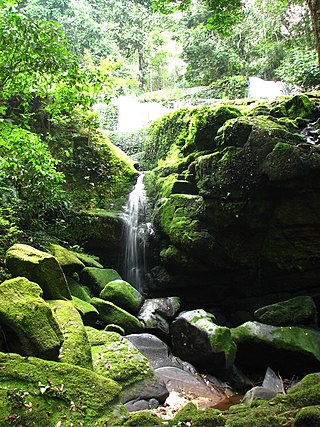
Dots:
pixel 26 316
pixel 97 278
pixel 121 293
pixel 40 267
pixel 305 393
pixel 142 419
pixel 75 348
pixel 114 357
pixel 263 416
pixel 65 392
pixel 293 107
pixel 109 313
pixel 68 261
pixel 308 417
pixel 88 313
pixel 77 290
pixel 88 260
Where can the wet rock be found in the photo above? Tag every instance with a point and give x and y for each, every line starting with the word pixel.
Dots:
pixel 97 278
pixel 155 312
pixel 68 261
pixel 296 311
pixel 77 290
pixel 291 350
pixel 27 321
pixel 40 267
pixel 75 349
pixel 144 391
pixel 88 260
pixel 109 313
pixel 272 381
pixel 198 340
pixel 122 294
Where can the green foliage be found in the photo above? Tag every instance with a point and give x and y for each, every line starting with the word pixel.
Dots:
pixel 229 87
pixel 27 165
pixel 300 68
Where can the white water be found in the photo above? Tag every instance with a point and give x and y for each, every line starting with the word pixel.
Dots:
pixel 135 115
pixel 135 233
pixel 266 89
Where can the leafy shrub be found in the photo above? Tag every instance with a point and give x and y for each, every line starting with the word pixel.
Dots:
pixel 233 87
pixel 300 68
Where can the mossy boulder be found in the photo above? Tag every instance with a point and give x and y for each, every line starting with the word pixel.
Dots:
pixel 308 417
pixel 88 313
pixel 68 393
pixel 75 349
pixel 296 106
pixel 78 290
pixel 109 313
pixel 68 261
pixel 190 415
pixel 288 349
pixel 198 340
pixel 122 294
pixel 29 326
pixel 116 358
pixel 97 278
pixel 40 267
pixel 295 311
pixel 88 260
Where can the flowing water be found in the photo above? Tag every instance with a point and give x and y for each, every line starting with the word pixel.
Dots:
pixel 136 231
pixel 266 89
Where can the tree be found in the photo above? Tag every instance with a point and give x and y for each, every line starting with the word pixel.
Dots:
pixel 314 7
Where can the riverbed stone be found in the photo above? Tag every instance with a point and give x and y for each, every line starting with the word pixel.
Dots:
pixel 123 295
pixel 40 267
pixel 109 313
pixel 68 261
pixel 198 340
pixel 27 320
pixel 97 278
pixel 291 350
pixel 300 310
pixel 75 348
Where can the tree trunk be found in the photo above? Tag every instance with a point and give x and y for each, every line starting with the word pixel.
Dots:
pixel 314 7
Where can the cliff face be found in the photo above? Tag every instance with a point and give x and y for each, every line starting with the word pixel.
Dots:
pixel 236 198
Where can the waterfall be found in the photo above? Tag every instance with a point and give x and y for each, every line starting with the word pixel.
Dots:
pixel 135 233
pixel 266 89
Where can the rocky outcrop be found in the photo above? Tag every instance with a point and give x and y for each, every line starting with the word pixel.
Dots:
pixel 248 236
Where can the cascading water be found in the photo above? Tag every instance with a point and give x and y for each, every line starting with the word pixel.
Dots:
pixel 135 233
pixel 266 89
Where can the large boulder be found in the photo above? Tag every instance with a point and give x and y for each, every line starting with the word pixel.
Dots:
pixel 97 278
pixel 88 312
pixel 40 267
pixel 295 311
pixel 27 320
pixel 122 294
pixel 116 358
pixel 198 340
pixel 31 388
pixel 75 348
pixel 156 312
pixel 110 314
pixel 68 261
pixel 291 350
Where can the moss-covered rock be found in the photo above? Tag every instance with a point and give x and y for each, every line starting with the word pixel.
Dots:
pixel 116 358
pixel 88 313
pixel 68 261
pixel 198 340
pixel 109 313
pixel 190 415
pixel 289 349
pixel 75 348
pixel 69 394
pixel 296 106
pixel 40 267
pixel 97 278
pixel 308 417
pixel 295 311
pixel 27 320
pixel 88 260
pixel 78 290
pixel 124 295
